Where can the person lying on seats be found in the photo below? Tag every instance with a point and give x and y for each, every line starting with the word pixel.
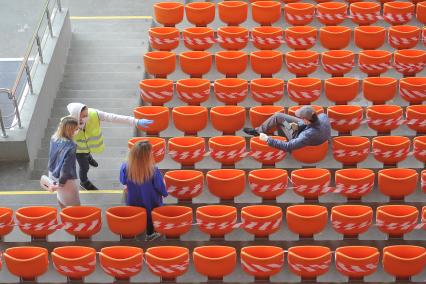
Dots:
pixel 89 138
pixel 306 129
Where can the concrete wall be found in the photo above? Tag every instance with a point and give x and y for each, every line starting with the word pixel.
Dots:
pixel 23 144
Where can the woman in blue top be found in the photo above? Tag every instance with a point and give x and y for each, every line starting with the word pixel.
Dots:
pixel 144 182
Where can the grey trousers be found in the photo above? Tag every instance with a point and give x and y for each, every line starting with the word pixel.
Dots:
pixel 279 120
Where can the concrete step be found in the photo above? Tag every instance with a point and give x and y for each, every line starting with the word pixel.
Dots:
pixel 100 102
pixel 108 35
pixel 104 67
pixel 109 42
pixel 111 26
pixel 96 85
pixel 108 51
pixel 112 152
pixel 62 111
pixel 107 94
pixel 105 59
pixel 101 76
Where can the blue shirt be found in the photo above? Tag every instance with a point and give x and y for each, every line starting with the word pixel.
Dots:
pixel 149 194
pixel 62 159
pixel 313 134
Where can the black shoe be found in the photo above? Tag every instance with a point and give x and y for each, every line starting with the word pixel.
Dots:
pixel 87 185
pixel 92 162
pixel 251 131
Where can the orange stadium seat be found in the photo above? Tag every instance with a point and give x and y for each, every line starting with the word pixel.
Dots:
pixel 126 221
pixel 351 220
pixel 82 221
pixel 215 262
pixel 171 220
pixel 216 220
pixel 268 183
pixel 200 14
pixel 184 184
pixel 121 262
pixel 158 146
pixel 187 150
pixel 306 220
pixel 261 220
pixel 226 184
pixel 190 119
pixel 74 262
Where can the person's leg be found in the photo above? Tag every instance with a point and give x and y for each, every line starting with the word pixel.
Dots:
pixel 149 224
pixel 277 120
pixel 83 163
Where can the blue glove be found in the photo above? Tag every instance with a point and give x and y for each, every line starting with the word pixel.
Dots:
pixel 144 123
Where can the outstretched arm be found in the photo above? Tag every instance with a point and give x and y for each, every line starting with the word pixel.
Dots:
pixel 293 144
pixel 116 118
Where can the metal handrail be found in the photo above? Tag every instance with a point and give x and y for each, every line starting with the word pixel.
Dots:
pixel 24 67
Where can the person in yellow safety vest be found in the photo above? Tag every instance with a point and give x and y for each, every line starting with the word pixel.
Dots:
pixel 89 138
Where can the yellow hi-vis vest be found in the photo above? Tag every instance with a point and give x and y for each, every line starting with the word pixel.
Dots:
pixel 90 139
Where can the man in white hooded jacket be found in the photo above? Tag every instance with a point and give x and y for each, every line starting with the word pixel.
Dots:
pixel 89 138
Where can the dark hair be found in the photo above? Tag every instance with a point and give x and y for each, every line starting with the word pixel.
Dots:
pixel 83 108
pixel 314 118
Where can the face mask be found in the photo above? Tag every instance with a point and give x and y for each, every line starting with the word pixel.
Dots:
pixel 76 132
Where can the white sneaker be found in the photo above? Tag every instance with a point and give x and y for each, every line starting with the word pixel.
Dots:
pixel 152 237
pixel 46 183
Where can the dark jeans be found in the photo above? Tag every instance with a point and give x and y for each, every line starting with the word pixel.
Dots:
pixel 83 163
pixel 149 224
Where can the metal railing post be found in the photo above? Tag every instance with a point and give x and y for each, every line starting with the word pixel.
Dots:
pixel 49 22
pixel 18 115
pixel 30 82
pixel 58 2
pixel 39 48
pixel 3 129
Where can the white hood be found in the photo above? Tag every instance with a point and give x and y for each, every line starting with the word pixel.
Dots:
pixel 75 109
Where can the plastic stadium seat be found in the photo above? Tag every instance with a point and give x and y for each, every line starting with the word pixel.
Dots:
pixel 268 183
pixel 159 114
pixel 6 221
pixel 390 150
pixel 335 37
pixel 215 262
pixel 302 62
pixel 379 90
pixel 354 183
pixel 167 262
pixel 261 220
pixel 216 220
pixel 397 183
pixel 262 262
pixel 357 262
pixel 226 183
pixel 351 220
pixel 267 37
pixel 341 90
pixel 37 221
pixel 369 37
pixel 304 90
pixel 416 118
pixel 198 38
pixel 126 221
pixel 384 118
pixel 309 262
pixel 299 14
pixel 267 91
pixel 301 37
pixel 331 13
pixel 187 150
pixel 233 13
pixel 26 262
pixel 404 37
pixel 168 14
pixel 265 13
pixel 403 261
pixel 195 63
pixel 292 110
pixel 121 262
pixel 365 13
pixel 158 146
pixel 159 63
pixel 423 219
pixel 419 148
pixel 310 183
pixel 396 220
pixel 412 89
pixel 409 62
pixel 157 92
pixel 200 14
pixel 228 119
pixel 190 119
pixel 184 184
pixel 227 150
pixel 374 62
pixel 74 262
pixel 193 91
pixel 266 62
pixel 232 38
pixel 172 221
pixel 423 181
pixel 230 91
pixel 421 12
pixel 164 38
pixel 82 221
pixel 265 154
pixel 398 12
pixel 311 154
pixel 350 150
pixel 306 220
pixel 338 62
pixel 345 118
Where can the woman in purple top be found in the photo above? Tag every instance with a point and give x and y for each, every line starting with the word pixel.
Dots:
pixel 144 182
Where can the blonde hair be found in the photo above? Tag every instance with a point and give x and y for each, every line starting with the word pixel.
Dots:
pixel 140 163
pixel 66 128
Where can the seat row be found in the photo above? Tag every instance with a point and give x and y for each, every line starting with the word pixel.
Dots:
pixel 228 119
pixel 232 91
pixel 297 37
pixel 301 63
pixel 266 13
pixel 215 262
pixel 172 221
